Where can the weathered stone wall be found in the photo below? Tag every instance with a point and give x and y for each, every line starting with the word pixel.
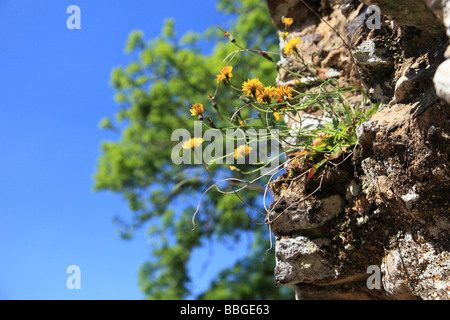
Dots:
pixel 387 206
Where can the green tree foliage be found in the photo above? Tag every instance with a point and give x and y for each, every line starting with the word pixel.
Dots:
pixel 155 91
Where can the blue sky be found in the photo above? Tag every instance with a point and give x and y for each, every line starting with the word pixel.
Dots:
pixel 54 90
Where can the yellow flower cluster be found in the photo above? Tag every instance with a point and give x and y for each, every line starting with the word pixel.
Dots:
pixel 287 23
pixel 254 87
pixel 225 74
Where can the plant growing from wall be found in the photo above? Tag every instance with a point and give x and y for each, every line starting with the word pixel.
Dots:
pixel 307 151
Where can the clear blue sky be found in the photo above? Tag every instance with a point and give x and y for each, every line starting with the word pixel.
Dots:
pixel 54 90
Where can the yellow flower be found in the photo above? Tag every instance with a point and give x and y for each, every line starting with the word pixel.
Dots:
pixel 283 92
pixel 242 123
pixel 288 21
pixel 277 116
pixel 252 87
pixel 241 150
pixel 265 94
pixel 192 143
pixel 227 71
pixel 220 77
pixel 197 109
pixel 225 74
pixel 290 46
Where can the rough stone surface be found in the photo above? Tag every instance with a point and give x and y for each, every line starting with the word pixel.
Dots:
pixel 366 133
pixel 410 13
pixel 417 261
pixel 368 53
pixel 442 81
pixel 300 260
pixel 309 214
pixel 387 206
pixel 442 76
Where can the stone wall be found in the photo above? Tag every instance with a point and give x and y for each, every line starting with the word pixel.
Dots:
pixel 388 206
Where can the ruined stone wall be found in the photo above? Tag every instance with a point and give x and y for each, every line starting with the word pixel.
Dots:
pixel 388 205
